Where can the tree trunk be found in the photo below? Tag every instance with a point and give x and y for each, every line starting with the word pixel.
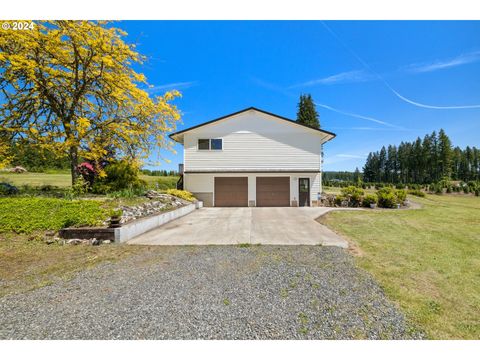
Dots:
pixel 74 164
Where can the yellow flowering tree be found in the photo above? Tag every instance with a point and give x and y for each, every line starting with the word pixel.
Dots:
pixel 4 153
pixel 69 87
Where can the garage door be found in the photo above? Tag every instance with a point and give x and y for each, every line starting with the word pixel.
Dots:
pixel 231 191
pixel 273 191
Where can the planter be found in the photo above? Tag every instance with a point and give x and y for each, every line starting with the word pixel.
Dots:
pixel 373 206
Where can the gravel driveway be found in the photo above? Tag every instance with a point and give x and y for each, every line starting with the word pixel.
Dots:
pixel 211 292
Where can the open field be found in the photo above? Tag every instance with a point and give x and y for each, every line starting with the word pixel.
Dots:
pixel 64 179
pixel 427 260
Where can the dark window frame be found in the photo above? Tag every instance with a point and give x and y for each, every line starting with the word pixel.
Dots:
pixel 204 140
pixel 210 144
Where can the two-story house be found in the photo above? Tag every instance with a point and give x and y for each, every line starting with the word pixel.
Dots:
pixel 253 158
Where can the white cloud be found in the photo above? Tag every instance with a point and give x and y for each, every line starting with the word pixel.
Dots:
pixel 358 116
pixel 445 64
pixel 177 86
pixel 351 156
pixel 340 78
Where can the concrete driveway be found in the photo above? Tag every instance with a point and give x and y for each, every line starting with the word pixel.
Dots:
pixel 230 226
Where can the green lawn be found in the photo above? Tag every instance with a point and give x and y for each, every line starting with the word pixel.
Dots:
pixel 65 180
pixel 427 260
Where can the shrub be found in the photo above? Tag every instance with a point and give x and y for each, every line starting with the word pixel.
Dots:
pixel 369 199
pixel 401 195
pixel 339 199
pixel 182 194
pixel 477 192
pixel 79 188
pixel 387 197
pixel 353 195
pixel 8 189
pixel 418 193
pixel 119 175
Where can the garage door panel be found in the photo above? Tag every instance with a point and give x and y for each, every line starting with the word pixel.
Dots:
pixel 273 191
pixel 231 191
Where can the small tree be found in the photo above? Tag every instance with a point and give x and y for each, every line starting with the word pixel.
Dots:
pixel 307 113
pixel 69 87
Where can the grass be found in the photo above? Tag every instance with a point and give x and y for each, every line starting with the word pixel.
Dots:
pixel 427 260
pixel 29 264
pixel 64 179
pixel 26 262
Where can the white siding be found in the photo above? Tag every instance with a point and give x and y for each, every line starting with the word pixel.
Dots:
pixel 254 141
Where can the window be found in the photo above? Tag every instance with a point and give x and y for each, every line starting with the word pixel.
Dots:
pixel 210 144
pixel 203 144
pixel 216 144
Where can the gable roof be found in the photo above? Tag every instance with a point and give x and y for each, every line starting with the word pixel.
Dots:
pixel 176 135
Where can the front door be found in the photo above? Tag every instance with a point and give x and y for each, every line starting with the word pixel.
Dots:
pixel 304 192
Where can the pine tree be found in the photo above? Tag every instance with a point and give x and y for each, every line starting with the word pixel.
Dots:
pixel 307 114
pixel 356 176
pixel 445 154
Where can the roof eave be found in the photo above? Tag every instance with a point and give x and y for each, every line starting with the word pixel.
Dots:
pixel 181 132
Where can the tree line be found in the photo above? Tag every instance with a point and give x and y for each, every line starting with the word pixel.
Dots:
pixel 423 161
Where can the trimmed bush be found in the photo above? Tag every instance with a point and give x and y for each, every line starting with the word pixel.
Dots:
pixel 369 199
pixel 387 197
pixel 401 195
pixel 353 194
pixel 182 194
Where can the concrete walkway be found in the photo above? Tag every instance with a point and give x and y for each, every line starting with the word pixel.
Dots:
pixel 230 226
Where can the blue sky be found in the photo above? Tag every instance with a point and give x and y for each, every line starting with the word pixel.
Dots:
pixel 375 83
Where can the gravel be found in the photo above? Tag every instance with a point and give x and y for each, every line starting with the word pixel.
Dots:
pixel 211 292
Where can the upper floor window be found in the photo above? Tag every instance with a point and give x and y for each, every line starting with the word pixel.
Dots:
pixel 203 144
pixel 210 144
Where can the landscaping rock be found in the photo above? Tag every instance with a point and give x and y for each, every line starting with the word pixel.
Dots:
pixel 95 242
pixel 106 241
pixel 160 203
pixel 74 241
pixel 327 200
pixel 18 169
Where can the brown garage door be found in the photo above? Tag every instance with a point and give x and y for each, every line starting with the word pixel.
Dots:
pixel 231 191
pixel 273 191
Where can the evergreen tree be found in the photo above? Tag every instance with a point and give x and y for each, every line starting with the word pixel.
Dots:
pixel 382 162
pixel 445 154
pixel 423 162
pixel 307 114
pixel 368 171
pixel 356 175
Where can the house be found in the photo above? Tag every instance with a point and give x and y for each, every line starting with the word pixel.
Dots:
pixel 253 158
